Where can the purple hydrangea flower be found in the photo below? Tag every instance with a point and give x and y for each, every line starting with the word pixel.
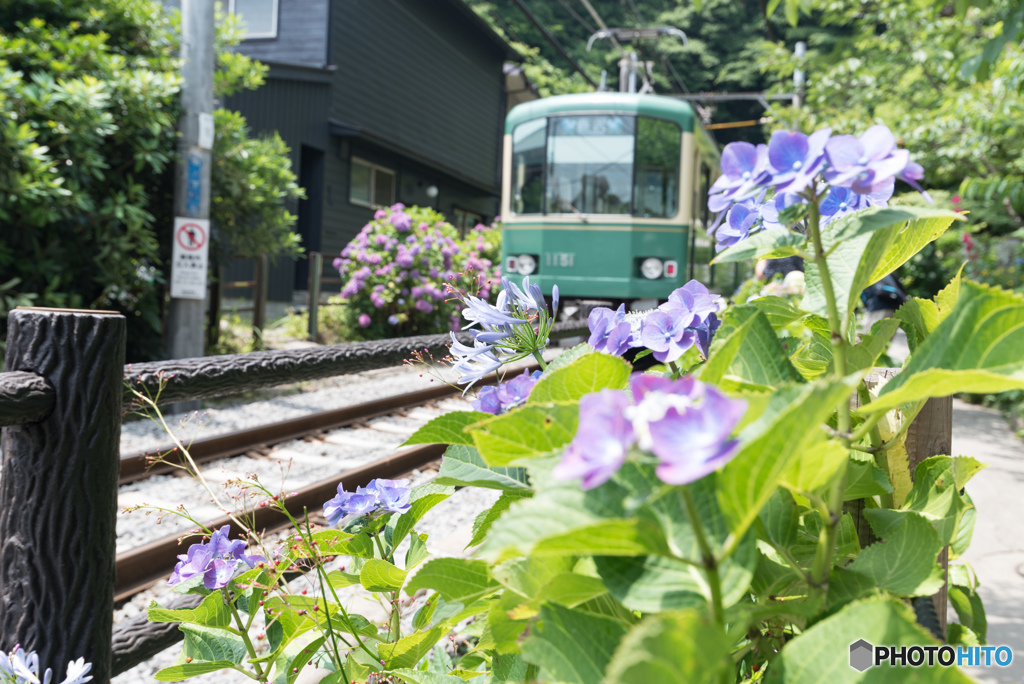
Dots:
pixel 393 319
pixel 911 174
pixel 487 400
pixel 424 306
pixel 610 332
pixel 706 333
pixel 364 320
pixel 391 495
pixel 796 158
pixel 770 210
pixel 602 439
pixel 695 298
pixel 379 214
pixel 867 163
pixel 686 424
pixel 359 502
pixel 506 396
pixel 216 560
pixel 669 333
pixel 401 221
pixel 737 226
pixel 744 169
pixel 840 201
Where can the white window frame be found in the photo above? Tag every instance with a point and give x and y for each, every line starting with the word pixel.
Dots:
pixel 373 184
pixel 257 36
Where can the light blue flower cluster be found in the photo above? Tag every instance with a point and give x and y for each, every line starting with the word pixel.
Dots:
pixel 685 423
pixel 498 399
pixel 379 495
pixel 687 318
pixel 217 561
pixel 845 173
pixel 515 327
pixel 22 667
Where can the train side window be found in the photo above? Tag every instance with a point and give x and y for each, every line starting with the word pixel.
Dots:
pixel 528 145
pixel 656 176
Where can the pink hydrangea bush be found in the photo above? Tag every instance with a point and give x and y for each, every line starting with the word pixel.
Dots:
pixel 397 272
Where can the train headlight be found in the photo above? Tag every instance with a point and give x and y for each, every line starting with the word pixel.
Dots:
pixel 525 264
pixel 651 268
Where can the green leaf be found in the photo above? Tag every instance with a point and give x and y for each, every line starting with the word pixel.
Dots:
pixel 879 218
pixel 965 531
pixel 571 589
pixel 422 499
pixel 528 432
pixel 418 677
pixel 822 653
pixel 791 422
pixel 337 543
pixel 408 650
pixel 526 576
pixel 456 579
pixel 811 353
pixel 483 522
pixel 969 608
pixel 379 575
pixel 447 429
pixel 210 613
pixel 569 356
pixel 507 668
pixel 865 479
pixel 918 318
pixel 975 349
pixel 815 466
pixel 176 673
pixel 571 646
pixel 746 347
pixel 780 311
pixel 295 657
pixel 590 373
pixel 683 647
pixel 780 519
pixel 211 645
pixel 872 345
pixel 904 562
pixel 936 492
pixel 417 552
pixel 767 244
pixel 339 580
pixel 462 466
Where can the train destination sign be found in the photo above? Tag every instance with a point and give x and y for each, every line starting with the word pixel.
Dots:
pixel 189 258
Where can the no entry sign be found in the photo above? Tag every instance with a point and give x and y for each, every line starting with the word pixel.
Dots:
pixel 189 258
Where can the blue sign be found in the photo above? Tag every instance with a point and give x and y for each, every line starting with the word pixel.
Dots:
pixel 194 187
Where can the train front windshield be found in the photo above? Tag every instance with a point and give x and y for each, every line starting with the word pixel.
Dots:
pixel 596 164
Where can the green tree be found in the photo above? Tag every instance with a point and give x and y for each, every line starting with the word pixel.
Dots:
pixel 88 117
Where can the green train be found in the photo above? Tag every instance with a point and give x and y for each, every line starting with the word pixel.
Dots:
pixel 604 194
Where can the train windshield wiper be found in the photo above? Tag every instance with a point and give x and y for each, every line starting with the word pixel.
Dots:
pixel 566 204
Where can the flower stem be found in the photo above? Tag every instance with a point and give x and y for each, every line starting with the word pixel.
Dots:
pixel 540 360
pixel 243 632
pixel 824 554
pixel 707 557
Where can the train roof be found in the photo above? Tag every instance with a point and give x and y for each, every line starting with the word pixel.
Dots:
pixel 656 106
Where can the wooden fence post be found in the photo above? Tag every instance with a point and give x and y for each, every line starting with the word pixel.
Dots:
pixel 58 493
pixel 316 264
pixel 259 297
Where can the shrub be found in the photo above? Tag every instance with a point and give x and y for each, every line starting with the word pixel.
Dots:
pixel 398 269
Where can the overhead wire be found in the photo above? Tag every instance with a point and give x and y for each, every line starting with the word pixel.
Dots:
pixel 552 40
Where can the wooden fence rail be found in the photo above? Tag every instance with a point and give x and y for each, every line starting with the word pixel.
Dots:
pixel 61 404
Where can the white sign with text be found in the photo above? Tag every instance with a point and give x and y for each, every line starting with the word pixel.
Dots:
pixel 190 258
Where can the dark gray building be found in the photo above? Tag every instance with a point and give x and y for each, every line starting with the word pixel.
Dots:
pixel 380 101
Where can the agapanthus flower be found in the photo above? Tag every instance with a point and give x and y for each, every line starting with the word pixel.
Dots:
pixel 379 495
pixel 217 561
pixel 867 163
pixel 497 399
pixel 796 158
pixel 610 332
pixel 685 423
pixel 22 667
pixel 744 169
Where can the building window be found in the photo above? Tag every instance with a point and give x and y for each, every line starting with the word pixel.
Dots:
pixel 464 220
pixel 256 18
pixel 371 185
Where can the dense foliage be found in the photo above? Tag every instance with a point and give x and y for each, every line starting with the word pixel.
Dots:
pixel 400 269
pixel 88 126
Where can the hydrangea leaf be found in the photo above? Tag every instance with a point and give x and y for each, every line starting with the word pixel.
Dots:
pixel 683 647
pixel 904 561
pixel 417 552
pixel 872 345
pixel 569 356
pixel 589 373
pixel 336 543
pixel 526 576
pixel 806 545
pixel 970 609
pixel 767 244
pixel 211 645
pixel 747 347
pixel 422 499
pixel 965 531
pixel 815 466
pixel 821 654
pixel 462 466
pixel 780 311
pixel 447 429
pixel 936 493
pixel 571 646
pixel 528 432
pixel 975 349
pixel 811 354
pixel 780 519
pixel 571 589
pixel 865 479
pixel 379 575
pixel 791 422
pixel 419 677
pixel 880 218
pixel 564 520
pixel 508 668
pixel 176 673
pixel 339 580
pixel 210 613
pixel 504 627
pixel 918 318
pixel 408 650
pixel 456 579
pixel 483 522
pixel 295 657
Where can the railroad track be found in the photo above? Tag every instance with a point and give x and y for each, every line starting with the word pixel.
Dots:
pixel 142 566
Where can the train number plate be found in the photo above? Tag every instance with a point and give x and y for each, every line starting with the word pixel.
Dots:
pixel 559 259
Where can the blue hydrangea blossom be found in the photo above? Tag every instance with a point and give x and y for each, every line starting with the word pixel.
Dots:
pixel 380 495
pixel 501 398
pixel 217 561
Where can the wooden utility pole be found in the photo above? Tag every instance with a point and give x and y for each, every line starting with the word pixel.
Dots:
pixel 192 182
